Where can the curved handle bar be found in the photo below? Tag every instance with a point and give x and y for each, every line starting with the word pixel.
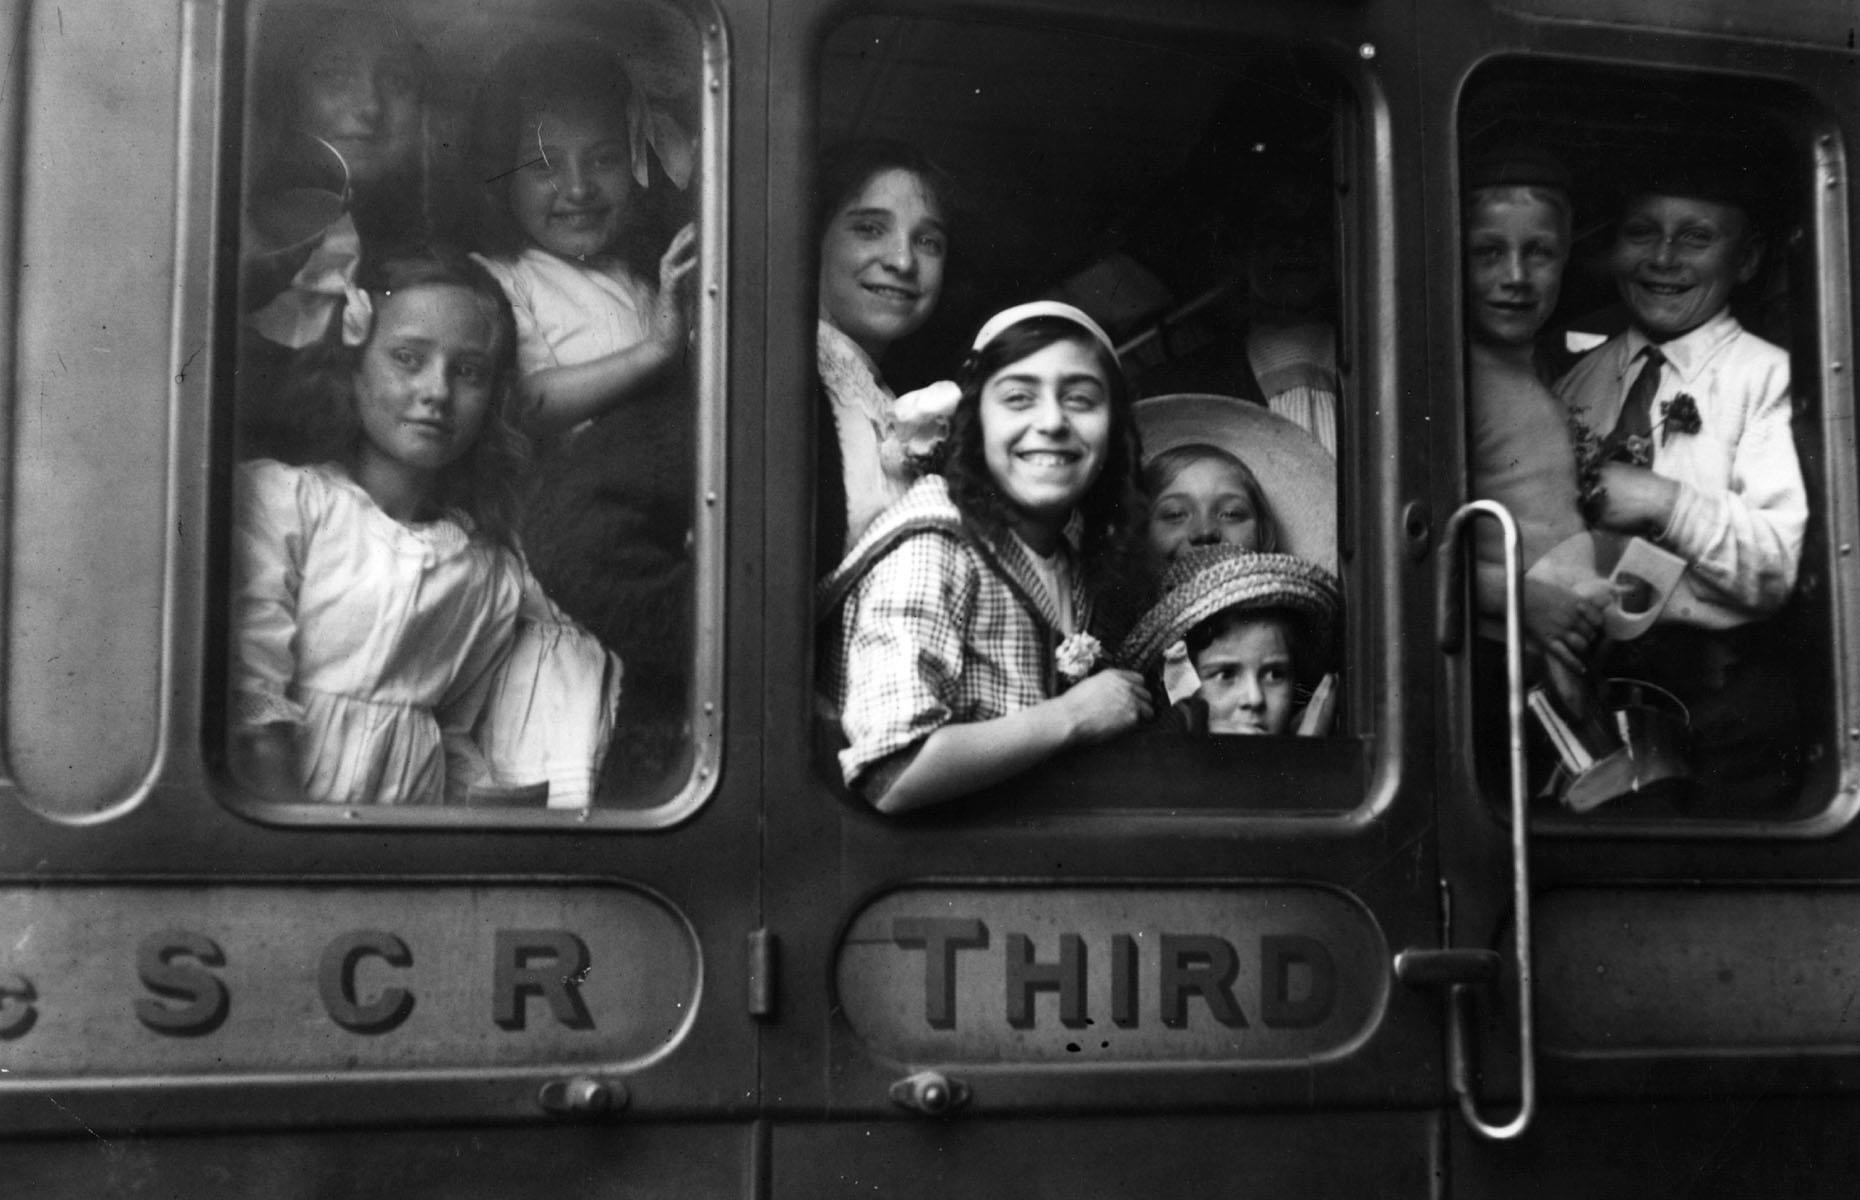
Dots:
pixel 1451 634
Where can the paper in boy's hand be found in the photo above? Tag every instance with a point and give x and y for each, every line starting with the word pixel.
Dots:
pixel 1642 582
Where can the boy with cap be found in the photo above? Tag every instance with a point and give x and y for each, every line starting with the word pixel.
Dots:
pixel 1695 414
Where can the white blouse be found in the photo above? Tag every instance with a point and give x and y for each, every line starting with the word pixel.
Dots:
pixel 375 639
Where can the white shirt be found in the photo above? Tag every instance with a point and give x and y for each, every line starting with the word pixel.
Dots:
pixel 1742 507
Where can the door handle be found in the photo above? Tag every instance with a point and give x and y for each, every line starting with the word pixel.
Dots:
pixel 1460 970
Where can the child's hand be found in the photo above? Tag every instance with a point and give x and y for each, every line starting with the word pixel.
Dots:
pixel 1561 622
pixel 1320 710
pixel 1106 704
pixel 675 267
pixel 1634 500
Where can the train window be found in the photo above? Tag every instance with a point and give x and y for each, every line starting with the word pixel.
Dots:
pixel 995 557
pixel 477 401
pixel 1645 394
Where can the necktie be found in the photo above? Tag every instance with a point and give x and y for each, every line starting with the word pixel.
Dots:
pixel 1636 418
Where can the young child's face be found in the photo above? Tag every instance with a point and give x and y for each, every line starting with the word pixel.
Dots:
pixel 1046 428
pixel 1207 503
pixel 1515 252
pixel 358 92
pixel 427 378
pixel 1677 259
pixel 1246 678
pixel 881 261
pixel 572 194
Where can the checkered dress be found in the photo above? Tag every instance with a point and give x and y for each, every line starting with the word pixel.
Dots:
pixel 925 626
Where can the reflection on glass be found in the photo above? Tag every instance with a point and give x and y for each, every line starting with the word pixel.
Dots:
pixel 466 518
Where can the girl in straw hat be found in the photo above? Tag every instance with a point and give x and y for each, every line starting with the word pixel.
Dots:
pixel 1257 627
pixel 960 616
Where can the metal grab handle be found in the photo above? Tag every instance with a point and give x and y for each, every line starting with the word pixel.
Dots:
pixel 1453 623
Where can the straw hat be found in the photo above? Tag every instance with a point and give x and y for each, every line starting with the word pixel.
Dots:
pixel 1298 476
pixel 1209 579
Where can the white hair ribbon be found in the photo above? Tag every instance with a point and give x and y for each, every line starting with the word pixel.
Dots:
pixel 358 316
pixel 300 313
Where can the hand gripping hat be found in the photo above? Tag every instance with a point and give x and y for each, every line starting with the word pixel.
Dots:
pixel 1207 580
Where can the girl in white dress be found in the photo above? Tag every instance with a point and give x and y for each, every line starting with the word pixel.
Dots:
pixel 376 587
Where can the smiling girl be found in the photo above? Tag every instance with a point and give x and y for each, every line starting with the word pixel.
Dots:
pixel 946 621
pixel 564 211
pixel 884 246
pixel 376 585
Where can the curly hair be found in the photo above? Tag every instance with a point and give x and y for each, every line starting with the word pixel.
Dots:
pixel 529 80
pixel 1112 508
pixel 1160 472
pixel 319 393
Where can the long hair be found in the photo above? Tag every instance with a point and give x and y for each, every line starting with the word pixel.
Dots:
pixel 1112 507
pixel 288 41
pixel 1161 471
pixel 319 391
pixel 525 83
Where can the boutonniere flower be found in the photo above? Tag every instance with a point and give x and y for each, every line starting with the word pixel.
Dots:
pixel 1078 656
pixel 1679 415
pixel 1590 453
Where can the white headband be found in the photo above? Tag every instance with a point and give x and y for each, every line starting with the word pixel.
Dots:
pixel 999 323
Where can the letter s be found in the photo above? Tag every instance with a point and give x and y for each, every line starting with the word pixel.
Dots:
pixel 206 1001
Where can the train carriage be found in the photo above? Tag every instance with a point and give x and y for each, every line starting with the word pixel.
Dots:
pixel 1358 964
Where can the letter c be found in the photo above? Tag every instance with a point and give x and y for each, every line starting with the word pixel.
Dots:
pixel 335 981
pixel 17 1012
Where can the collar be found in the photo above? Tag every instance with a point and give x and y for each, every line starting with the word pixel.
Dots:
pixel 1687 354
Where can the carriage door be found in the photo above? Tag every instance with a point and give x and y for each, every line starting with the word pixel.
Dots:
pixel 1689 918
pixel 1197 926
pixel 372 940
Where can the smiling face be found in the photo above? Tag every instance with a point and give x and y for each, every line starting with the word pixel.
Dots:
pixel 1516 247
pixel 1677 259
pixel 1046 430
pixel 426 379
pixel 1207 503
pixel 1246 678
pixel 571 194
pixel 359 91
pixel 881 261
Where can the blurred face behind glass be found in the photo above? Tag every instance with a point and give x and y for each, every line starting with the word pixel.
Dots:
pixel 358 89
pixel 572 196
pixel 1517 244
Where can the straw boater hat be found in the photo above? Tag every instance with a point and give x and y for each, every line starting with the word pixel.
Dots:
pixel 1210 579
pixel 1297 474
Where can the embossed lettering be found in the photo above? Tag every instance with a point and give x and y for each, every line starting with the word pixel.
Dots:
pixel 204 999
pixel 335 981
pixel 17 1010
pixel 1025 976
pixel 1297 981
pixel 939 938
pixel 1202 966
pixel 558 980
